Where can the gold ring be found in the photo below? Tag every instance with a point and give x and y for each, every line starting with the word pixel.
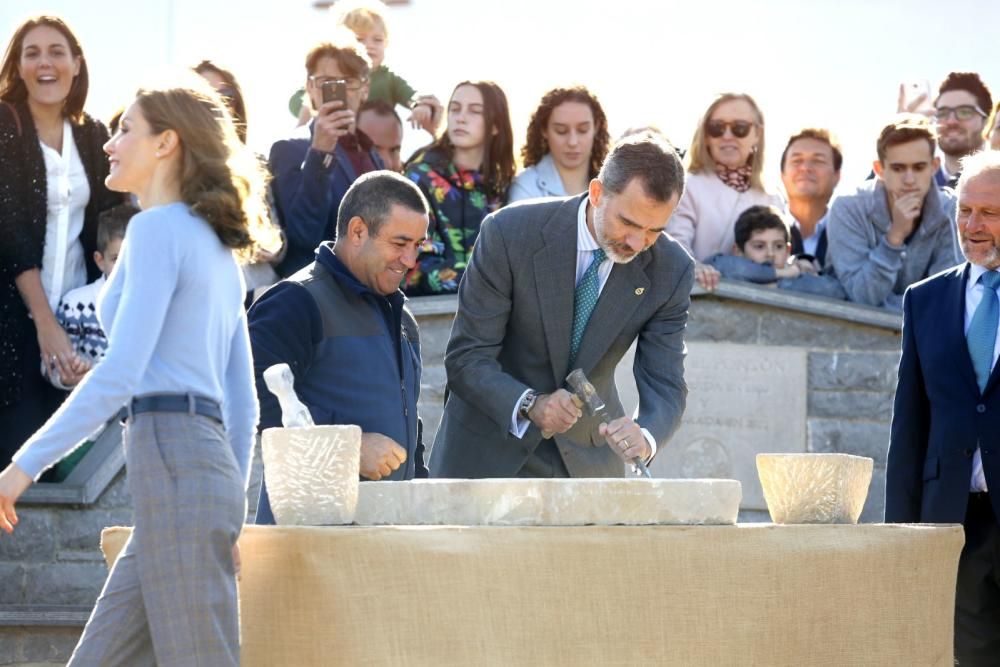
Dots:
pixel 624 444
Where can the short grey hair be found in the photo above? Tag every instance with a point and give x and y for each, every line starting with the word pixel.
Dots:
pixel 372 196
pixel 978 164
pixel 651 158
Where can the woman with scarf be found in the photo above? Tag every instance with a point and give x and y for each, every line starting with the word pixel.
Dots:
pixel 725 177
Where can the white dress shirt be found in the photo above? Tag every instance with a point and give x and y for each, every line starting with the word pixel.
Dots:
pixel 63 264
pixel 810 243
pixel 973 295
pixel 586 244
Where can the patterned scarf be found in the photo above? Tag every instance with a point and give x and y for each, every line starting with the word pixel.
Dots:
pixel 738 179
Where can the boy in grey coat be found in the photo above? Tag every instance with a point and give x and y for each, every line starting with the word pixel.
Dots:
pixel 897 229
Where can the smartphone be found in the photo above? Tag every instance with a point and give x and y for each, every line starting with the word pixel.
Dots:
pixel 912 91
pixel 335 90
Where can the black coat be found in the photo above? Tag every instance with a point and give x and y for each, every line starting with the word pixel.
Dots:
pixel 23 216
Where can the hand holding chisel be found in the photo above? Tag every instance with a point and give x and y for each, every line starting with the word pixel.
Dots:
pixel 592 404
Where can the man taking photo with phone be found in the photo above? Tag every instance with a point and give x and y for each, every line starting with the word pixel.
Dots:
pixel 313 168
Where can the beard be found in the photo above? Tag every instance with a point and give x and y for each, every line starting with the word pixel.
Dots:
pixel 987 257
pixel 619 253
pixel 961 144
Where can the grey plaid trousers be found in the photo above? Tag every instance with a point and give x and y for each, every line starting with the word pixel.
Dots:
pixel 171 597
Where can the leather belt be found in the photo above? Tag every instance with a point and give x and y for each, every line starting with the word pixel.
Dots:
pixel 189 403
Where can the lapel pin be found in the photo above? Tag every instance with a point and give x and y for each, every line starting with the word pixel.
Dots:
pixel 639 291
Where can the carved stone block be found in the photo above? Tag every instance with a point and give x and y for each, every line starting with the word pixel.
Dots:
pixel 549 502
pixel 312 473
pixel 814 488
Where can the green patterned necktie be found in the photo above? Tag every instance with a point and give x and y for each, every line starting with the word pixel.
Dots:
pixel 982 334
pixel 584 300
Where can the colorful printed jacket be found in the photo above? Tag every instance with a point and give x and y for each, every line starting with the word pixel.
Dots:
pixel 458 202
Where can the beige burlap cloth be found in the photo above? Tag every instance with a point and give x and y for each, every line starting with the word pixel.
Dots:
pixel 684 595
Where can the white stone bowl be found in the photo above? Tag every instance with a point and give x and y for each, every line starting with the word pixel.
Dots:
pixel 312 474
pixel 814 488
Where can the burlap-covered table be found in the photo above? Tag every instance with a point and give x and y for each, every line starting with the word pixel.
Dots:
pixel 698 595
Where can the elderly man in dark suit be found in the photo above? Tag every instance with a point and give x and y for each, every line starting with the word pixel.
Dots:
pixel 560 284
pixel 944 450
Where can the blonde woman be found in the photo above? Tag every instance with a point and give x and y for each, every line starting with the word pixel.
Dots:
pixel 178 358
pixel 725 177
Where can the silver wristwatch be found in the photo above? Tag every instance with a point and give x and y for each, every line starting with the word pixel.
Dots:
pixel 527 403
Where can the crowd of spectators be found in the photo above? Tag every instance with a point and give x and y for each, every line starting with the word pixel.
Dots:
pixel 867 246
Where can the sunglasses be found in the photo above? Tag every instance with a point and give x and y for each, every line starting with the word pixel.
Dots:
pixel 717 128
pixel 963 112
pixel 352 84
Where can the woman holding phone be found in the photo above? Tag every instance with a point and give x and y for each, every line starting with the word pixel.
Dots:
pixel 52 189
pixel 725 177
pixel 178 359
pixel 464 175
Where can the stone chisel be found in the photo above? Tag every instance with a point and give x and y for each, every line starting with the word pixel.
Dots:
pixel 592 404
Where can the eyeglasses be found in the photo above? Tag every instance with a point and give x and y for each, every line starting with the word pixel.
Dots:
pixel 963 112
pixel 351 84
pixel 717 128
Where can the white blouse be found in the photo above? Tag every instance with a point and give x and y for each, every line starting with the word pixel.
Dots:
pixel 63 265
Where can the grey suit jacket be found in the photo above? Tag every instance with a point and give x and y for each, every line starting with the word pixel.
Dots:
pixel 512 332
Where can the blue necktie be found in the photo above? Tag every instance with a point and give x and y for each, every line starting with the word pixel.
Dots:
pixel 982 334
pixel 584 300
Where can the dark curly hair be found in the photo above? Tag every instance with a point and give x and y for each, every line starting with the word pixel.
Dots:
pixel 970 83
pixel 535 146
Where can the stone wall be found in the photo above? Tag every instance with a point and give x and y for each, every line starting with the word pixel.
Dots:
pixel 51 570
pixel 850 380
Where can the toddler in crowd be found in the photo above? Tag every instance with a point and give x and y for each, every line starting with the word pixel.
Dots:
pixel 761 255
pixel 366 19
pixel 77 310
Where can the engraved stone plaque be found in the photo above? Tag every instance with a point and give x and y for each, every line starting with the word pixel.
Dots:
pixel 742 400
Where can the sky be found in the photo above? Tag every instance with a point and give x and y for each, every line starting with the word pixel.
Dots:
pixel 829 63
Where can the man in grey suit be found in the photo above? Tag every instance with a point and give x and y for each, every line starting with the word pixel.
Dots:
pixel 522 326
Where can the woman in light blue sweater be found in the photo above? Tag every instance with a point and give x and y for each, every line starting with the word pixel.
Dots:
pixel 178 359
pixel 565 147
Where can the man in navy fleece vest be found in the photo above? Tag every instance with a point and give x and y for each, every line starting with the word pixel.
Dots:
pixel 342 326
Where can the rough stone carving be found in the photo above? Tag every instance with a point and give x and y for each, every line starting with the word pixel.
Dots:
pixel 814 488
pixel 549 502
pixel 312 473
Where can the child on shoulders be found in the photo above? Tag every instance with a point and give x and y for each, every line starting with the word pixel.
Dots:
pixel 367 20
pixel 761 255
